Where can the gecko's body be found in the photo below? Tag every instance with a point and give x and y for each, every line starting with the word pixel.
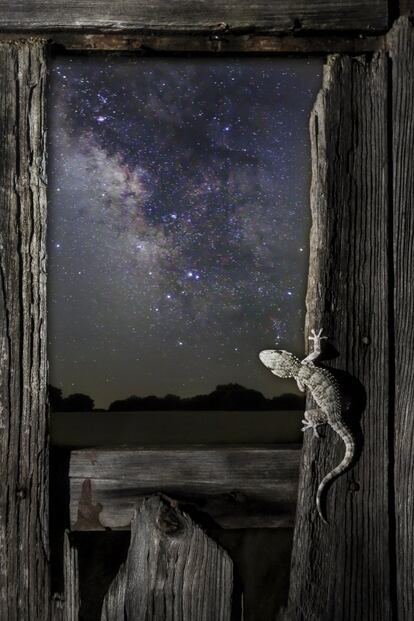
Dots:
pixel 325 391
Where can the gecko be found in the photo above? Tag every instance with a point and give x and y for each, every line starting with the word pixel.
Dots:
pixel 325 390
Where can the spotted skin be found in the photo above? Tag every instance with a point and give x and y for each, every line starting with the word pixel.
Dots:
pixel 325 391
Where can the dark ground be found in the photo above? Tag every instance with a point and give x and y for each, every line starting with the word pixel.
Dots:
pixel 87 429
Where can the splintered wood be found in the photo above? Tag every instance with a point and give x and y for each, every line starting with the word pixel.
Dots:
pixel 173 571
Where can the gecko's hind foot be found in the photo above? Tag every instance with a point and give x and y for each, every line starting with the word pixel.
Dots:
pixel 308 425
pixel 313 419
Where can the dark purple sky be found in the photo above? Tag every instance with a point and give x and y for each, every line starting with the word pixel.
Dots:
pixel 178 223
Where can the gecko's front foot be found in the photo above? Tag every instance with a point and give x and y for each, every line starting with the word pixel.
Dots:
pixel 317 337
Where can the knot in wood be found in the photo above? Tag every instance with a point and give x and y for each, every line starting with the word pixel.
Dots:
pixel 168 521
pixel 353 486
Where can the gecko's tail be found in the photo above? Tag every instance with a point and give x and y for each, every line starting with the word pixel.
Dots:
pixel 347 461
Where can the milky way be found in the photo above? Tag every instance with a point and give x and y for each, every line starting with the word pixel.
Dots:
pixel 178 221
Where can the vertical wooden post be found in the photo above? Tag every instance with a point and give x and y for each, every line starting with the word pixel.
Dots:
pixel 341 571
pixel 24 584
pixel 401 45
pixel 71 580
pixel 173 572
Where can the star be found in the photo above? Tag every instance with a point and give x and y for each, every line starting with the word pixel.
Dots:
pixel 180 190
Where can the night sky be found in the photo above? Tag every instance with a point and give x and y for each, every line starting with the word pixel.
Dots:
pixel 178 221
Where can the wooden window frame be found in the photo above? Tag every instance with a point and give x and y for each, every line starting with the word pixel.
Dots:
pixel 372 330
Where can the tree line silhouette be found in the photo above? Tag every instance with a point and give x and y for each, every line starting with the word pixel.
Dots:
pixel 77 402
pixel 225 397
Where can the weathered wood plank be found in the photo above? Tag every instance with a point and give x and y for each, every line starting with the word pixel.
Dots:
pixel 192 16
pixel 341 571
pixel 221 44
pixel 65 606
pixel 24 587
pixel 57 608
pixel 237 487
pixel 401 42
pixel 147 44
pixel 71 580
pixel 173 571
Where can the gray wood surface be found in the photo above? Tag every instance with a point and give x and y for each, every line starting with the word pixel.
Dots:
pixel 57 608
pixel 65 606
pixel 219 43
pixel 236 487
pixel 24 587
pixel 401 42
pixel 173 571
pixel 71 580
pixel 194 15
pixel 341 571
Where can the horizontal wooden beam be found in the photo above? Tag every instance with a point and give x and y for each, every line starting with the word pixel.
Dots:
pixel 214 43
pixel 194 15
pixel 237 487
pixel 220 43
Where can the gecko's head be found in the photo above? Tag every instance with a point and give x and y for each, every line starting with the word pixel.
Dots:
pixel 281 363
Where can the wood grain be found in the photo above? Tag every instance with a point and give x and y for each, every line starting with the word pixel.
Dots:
pixel 206 43
pixel 71 580
pixel 24 586
pixel 341 571
pixel 236 487
pixel 194 15
pixel 401 45
pixel 173 571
